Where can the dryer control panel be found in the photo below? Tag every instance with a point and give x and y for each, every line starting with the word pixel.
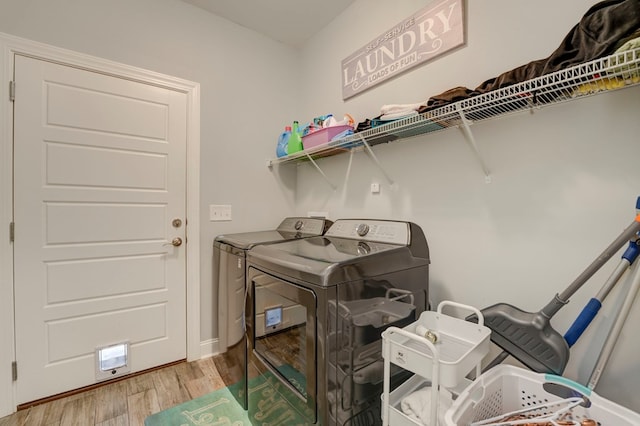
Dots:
pixel 304 225
pixel 384 231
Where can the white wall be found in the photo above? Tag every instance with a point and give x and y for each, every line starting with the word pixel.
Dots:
pixel 246 94
pixel 564 179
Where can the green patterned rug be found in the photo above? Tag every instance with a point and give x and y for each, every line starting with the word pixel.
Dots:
pixel 220 408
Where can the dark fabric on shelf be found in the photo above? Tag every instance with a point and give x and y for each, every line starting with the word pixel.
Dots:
pixel 598 34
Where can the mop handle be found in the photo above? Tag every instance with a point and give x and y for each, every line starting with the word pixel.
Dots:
pixel 629 256
pixel 562 299
pixel 612 337
pixel 591 309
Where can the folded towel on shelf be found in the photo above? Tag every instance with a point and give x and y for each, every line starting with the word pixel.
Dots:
pixel 417 405
pixel 395 108
pixel 398 115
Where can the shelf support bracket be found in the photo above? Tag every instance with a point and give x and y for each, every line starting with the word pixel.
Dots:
pixel 348 173
pixel 320 171
pixel 466 130
pixel 375 159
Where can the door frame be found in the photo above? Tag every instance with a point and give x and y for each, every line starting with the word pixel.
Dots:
pixel 11 45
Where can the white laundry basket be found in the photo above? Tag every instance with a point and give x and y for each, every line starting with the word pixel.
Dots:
pixel 505 389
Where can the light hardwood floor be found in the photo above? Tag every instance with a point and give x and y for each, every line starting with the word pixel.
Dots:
pixel 127 402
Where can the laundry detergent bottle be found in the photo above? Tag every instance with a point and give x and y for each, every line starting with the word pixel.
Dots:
pixel 295 140
pixel 283 142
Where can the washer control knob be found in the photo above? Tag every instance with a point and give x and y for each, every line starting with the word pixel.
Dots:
pixel 362 229
pixel 298 225
pixel 363 248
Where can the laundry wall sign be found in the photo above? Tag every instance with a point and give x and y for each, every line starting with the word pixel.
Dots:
pixel 427 34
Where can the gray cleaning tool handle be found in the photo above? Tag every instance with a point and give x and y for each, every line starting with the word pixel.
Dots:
pixel 562 299
pixel 612 337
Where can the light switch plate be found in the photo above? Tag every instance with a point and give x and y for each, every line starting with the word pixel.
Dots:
pixel 219 212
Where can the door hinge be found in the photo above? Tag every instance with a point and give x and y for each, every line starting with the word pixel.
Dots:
pixel 12 232
pixel 14 371
pixel 12 91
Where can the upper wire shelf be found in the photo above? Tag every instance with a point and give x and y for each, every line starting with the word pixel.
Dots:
pixel 605 74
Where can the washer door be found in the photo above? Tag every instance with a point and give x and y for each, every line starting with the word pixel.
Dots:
pixel 281 332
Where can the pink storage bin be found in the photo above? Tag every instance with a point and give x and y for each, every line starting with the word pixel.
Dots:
pixel 322 136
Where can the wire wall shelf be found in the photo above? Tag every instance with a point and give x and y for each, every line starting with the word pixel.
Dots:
pixel 606 74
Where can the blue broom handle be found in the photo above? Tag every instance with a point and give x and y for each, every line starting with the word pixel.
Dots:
pixel 591 309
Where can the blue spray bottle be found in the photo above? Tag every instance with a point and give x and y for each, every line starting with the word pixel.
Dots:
pixel 283 141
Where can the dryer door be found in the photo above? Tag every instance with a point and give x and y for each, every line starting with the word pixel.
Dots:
pixel 281 335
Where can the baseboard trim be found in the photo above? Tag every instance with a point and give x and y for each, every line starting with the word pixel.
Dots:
pixel 209 348
pixel 94 386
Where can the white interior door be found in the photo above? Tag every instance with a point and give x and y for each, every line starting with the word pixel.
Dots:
pixel 99 178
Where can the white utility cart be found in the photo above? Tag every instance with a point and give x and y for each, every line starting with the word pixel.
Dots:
pixel 440 350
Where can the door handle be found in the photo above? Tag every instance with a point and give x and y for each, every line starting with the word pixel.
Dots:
pixel 176 242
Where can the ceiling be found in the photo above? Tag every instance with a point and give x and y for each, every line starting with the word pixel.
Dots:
pixel 291 22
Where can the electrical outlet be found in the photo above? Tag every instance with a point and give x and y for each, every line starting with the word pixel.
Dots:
pixel 375 188
pixel 219 212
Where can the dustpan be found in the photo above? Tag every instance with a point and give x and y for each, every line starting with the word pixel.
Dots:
pixel 529 336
